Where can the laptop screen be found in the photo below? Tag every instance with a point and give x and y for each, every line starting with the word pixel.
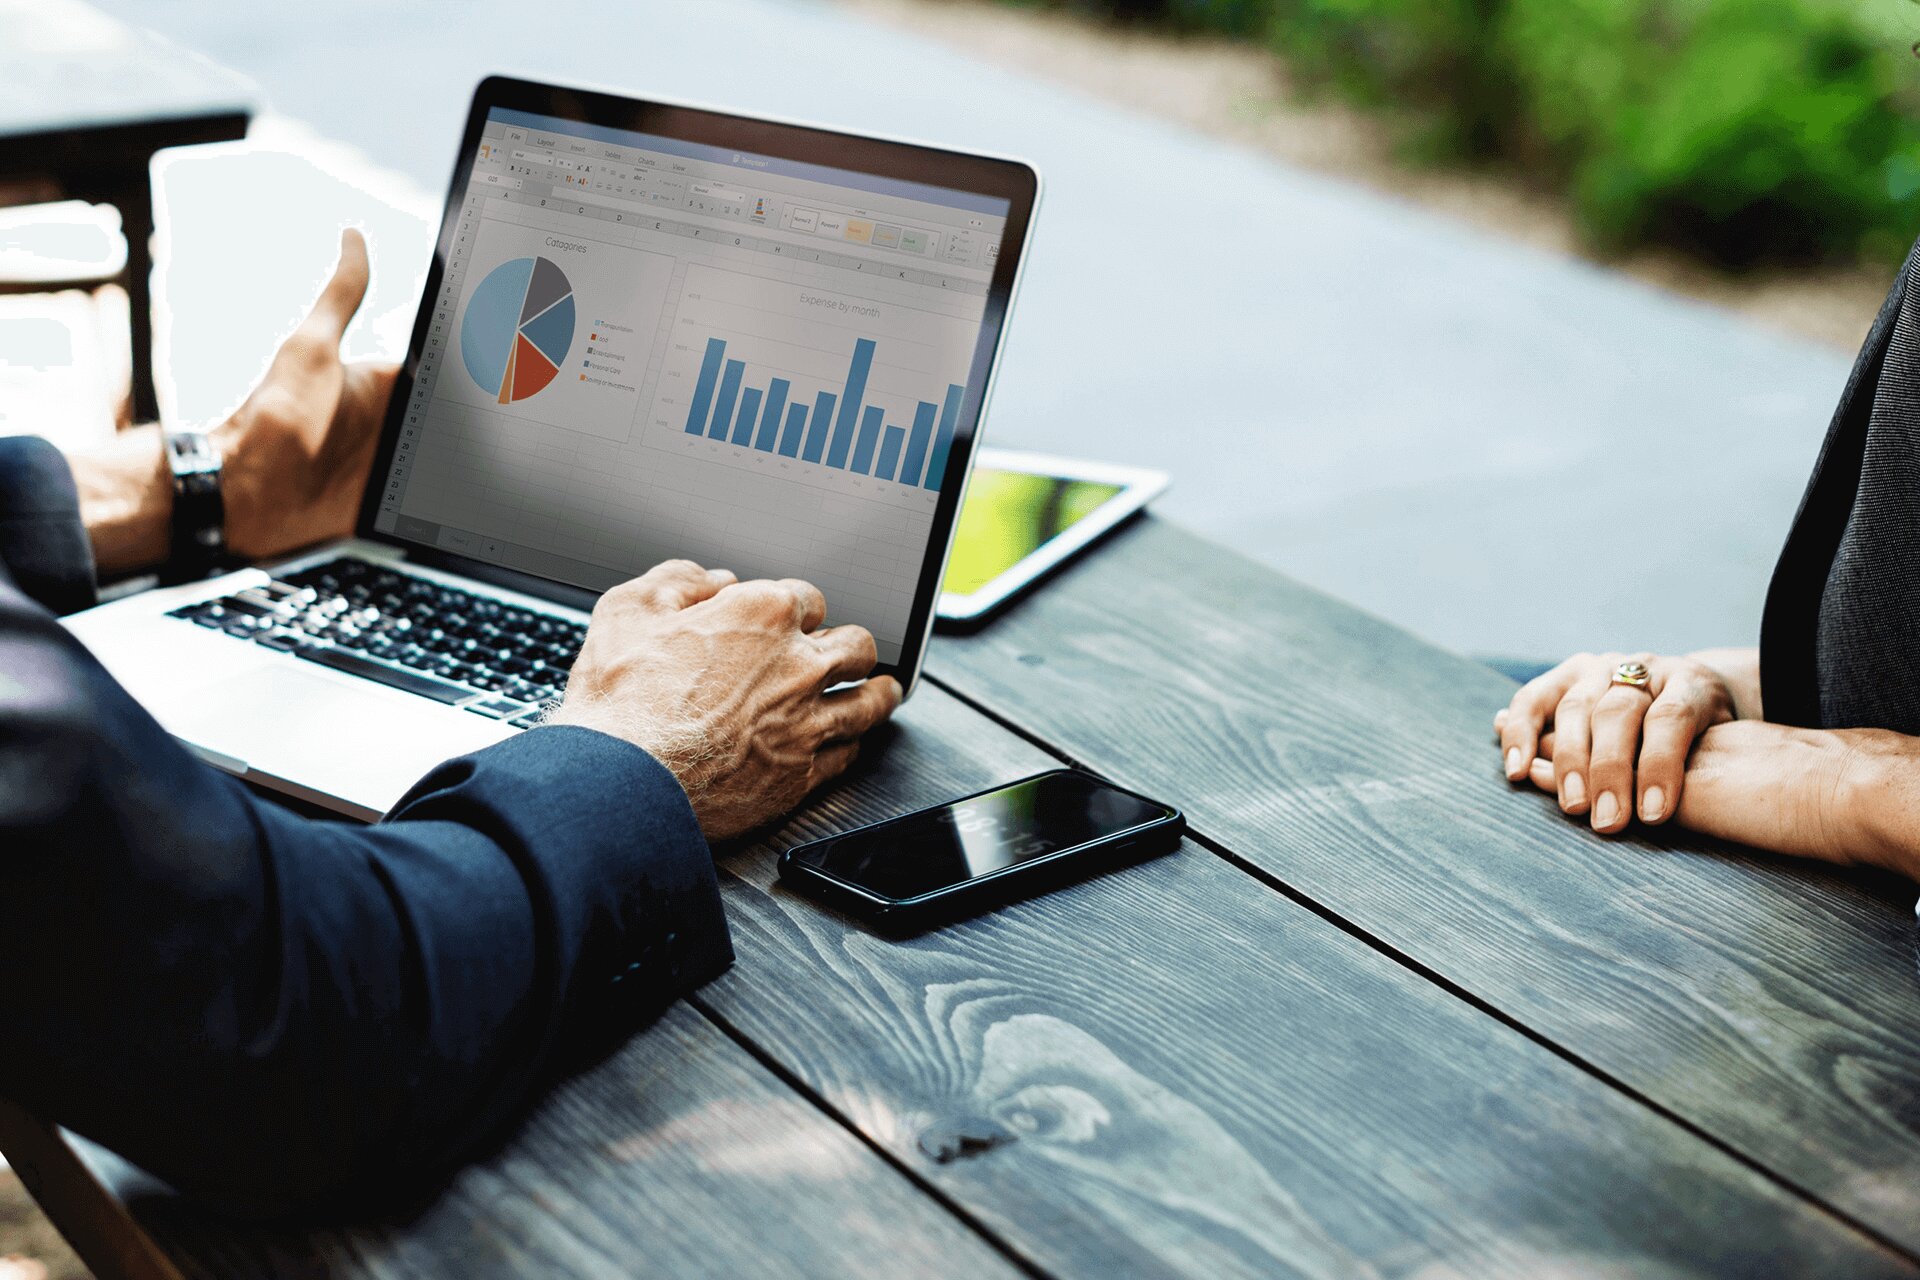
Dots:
pixel 645 348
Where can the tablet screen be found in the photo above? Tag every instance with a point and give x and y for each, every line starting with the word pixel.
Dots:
pixel 1011 514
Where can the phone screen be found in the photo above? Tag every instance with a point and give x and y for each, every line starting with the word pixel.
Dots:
pixel 950 845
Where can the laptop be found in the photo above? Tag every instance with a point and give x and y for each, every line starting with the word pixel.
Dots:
pixel 650 330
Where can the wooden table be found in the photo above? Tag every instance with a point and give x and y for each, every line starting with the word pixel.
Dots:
pixel 85 102
pixel 1380 1016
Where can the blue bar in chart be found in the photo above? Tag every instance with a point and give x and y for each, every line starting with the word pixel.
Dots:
pixel 838 430
pixel 729 392
pixel 916 455
pixel 889 454
pixel 790 436
pixel 749 411
pixel 850 403
pixel 818 427
pixel 770 418
pixel 869 437
pixel 943 439
pixel 703 390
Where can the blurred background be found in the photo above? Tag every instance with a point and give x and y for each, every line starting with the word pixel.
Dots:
pixel 1517 322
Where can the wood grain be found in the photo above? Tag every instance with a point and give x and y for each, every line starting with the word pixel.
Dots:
pixel 1175 1070
pixel 679 1156
pixel 1772 1003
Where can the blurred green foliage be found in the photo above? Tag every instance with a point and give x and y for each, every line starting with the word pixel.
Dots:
pixel 1740 130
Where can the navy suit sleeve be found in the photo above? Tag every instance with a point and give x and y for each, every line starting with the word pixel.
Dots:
pixel 282 1013
pixel 43 546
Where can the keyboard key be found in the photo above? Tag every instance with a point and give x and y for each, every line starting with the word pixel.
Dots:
pixel 411 681
pixel 449 636
pixel 240 604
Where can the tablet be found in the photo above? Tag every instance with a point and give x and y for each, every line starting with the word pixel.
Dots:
pixel 1027 514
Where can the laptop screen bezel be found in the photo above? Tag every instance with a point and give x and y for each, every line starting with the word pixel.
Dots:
pixel 1006 179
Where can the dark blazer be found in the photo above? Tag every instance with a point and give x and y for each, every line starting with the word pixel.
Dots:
pixel 287 1013
pixel 1840 643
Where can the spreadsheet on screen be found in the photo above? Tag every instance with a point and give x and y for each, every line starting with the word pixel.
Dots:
pixel 646 348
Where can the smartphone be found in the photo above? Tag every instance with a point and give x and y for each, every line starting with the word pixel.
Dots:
pixel 968 855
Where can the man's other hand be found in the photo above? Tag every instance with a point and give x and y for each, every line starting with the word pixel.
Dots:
pixel 725 683
pixel 298 451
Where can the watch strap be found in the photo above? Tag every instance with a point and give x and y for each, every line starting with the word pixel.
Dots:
pixel 199 512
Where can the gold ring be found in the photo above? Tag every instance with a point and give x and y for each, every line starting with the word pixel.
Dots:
pixel 1632 674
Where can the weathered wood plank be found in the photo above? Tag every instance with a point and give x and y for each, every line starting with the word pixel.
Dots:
pixel 679 1156
pixel 1770 1002
pixel 1175 1070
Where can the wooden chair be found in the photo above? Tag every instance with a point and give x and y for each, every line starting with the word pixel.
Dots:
pixel 92 1219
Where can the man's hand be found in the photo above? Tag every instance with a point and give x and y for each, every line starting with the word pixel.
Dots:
pixel 724 682
pixel 298 451
pixel 1614 749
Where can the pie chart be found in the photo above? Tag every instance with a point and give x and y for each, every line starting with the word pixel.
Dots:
pixel 517 327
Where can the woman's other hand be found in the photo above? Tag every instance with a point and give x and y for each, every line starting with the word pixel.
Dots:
pixel 1610 750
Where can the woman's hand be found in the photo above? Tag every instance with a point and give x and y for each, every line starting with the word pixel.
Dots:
pixel 1846 796
pixel 298 451
pixel 1608 749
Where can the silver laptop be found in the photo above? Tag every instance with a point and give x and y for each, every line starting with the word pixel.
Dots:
pixel 649 330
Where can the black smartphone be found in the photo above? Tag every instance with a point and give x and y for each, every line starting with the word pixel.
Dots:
pixel 962 857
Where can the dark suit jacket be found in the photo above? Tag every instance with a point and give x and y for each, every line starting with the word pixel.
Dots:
pixel 285 1013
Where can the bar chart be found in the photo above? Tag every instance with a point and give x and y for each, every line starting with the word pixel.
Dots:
pixel 836 429
pixel 859 393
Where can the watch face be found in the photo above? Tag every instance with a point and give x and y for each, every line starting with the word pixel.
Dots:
pixel 192 453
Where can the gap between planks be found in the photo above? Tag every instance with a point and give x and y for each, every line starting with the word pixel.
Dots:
pixel 1399 957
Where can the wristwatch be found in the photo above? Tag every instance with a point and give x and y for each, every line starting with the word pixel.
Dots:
pixel 199 513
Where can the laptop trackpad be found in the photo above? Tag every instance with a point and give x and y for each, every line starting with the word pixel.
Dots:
pixel 332 735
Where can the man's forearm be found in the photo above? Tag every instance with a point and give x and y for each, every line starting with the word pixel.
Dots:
pixel 126 500
pixel 331 1012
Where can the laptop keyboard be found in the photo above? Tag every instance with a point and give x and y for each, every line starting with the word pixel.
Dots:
pixel 484 655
